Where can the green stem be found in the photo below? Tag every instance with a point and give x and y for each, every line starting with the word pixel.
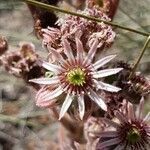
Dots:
pixel 54 8
pixel 140 57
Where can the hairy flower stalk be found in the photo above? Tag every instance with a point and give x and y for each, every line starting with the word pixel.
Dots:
pixel 131 132
pixel 87 30
pixel 77 76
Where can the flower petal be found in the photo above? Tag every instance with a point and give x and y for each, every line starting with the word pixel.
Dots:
pixel 120 147
pixel 131 112
pixel 55 93
pixel 91 52
pixel 121 117
pixel 51 67
pixel 40 102
pixel 106 72
pixel 103 61
pixel 67 49
pixel 80 50
pixel 81 106
pixel 97 99
pixel 65 105
pixel 47 81
pixel 56 54
pixel 107 87
pixel 147 117
pixel 108 134
pixel 140 108
pixel 110 142
pixel 46 104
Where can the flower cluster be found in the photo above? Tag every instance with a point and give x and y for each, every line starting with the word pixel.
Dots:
pixel 132 88
pixel 87 31
pixel 77 76
pixel 23 63
pixel 129 131
pixel 75 72
pixel 96 97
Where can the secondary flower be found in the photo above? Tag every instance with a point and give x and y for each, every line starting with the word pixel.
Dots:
pixel 77 76
pixel 132 131
pixel 132 89
pixel 24 62
pixel 74 26
pixel 88 30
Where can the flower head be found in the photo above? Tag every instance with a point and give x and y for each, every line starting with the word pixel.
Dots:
pixel 77 76
pixel 87 31
pixel 132 89
pixel 131 131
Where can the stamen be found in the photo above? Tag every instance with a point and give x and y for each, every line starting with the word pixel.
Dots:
pixel 133 136
pixel 76 77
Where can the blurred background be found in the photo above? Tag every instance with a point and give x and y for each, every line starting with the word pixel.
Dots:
pixel 23 125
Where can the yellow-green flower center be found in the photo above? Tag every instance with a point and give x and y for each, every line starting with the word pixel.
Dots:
pixel 133 136
pixel 76 77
